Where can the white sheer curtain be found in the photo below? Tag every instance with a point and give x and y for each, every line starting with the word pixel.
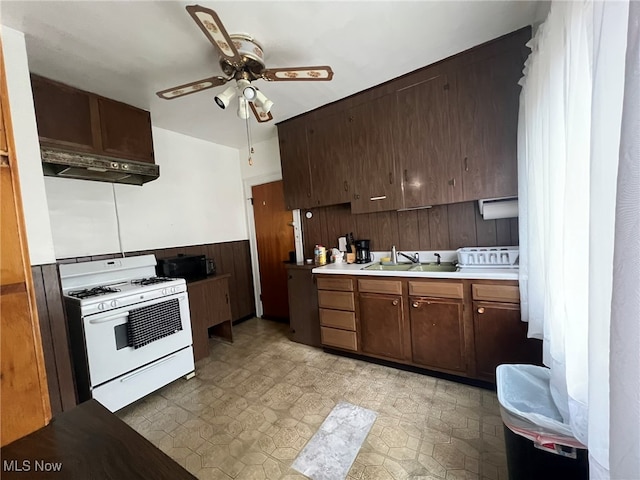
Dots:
pixel 568 141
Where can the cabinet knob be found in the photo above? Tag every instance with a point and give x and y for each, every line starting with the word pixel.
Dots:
pixel 466 164
pixel 357 196
pixel 395 303
pixel 452 182
pixel 481 310
pixel 415 304
pixel 346 186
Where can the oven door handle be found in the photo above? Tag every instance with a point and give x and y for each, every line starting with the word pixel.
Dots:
pixel 148 367
pixel 109 318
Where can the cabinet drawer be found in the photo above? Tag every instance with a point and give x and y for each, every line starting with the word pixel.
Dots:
pixel 337 300
pixel 496 293
pixel 380 286
pixel 333 337
pixel 338 319
pixel 342 284
pixel 436 289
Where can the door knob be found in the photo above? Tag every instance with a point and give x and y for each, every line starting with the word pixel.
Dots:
pixel 394 303
pixel 415 304
pixel 481 310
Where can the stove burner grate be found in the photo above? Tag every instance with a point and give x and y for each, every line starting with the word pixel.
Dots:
pixel 151 280
pixel 93 292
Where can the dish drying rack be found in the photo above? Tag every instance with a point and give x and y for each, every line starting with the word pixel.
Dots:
pixel 488 257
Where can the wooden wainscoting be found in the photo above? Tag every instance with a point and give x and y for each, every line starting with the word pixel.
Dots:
pixel 443 227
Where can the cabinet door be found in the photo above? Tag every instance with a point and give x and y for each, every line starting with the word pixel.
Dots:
pixel 294 158
pixel 330 159
pixel 125 131
pixel 501 337
pixel 64 115
pixel 429 158
pixel 381 325
pixel 376 184
pixel 437 333
pixel 218 302
pixel 200 314
pixel 487 105
pixel 303 307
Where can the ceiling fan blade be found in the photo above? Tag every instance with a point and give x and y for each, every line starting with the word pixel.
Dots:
pixel 260 114
pixel 192 87
pixel 298 73
pixel 210 24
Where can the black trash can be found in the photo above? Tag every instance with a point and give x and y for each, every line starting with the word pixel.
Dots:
pixel 528 461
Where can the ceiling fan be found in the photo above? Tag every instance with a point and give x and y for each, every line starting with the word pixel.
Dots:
pixel 242 61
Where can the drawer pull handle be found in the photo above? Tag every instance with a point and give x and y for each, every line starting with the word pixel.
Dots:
pixel 381 197
pixel 415 304
pixel 481 310
pixel 395 303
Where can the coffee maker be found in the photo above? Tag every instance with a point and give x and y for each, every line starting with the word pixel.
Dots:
pixel 363 253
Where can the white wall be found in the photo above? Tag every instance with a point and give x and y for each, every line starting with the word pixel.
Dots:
pixel 197 199
pixel 266 160
pixel 25 134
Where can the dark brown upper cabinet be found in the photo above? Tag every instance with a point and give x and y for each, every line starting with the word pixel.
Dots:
pixel 294 157
pixel 429 156
pixel 75 120
pixel 487 107
pixel 373 138
pixel 330 159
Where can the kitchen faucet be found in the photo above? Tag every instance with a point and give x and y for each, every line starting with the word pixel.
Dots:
pixel 415 258
pixel 437 255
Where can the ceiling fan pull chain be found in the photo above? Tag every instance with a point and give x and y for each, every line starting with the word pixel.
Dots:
pixel 249 142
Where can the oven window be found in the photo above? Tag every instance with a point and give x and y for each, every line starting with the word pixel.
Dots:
pixel 122 336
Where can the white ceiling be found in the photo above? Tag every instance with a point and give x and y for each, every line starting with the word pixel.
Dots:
pixel 129 50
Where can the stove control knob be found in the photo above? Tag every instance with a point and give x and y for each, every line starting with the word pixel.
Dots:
pixel 164 291
pixel 114 304
pixel 173 289
pixel 101 306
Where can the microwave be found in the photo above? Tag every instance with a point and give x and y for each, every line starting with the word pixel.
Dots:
pixel 189 267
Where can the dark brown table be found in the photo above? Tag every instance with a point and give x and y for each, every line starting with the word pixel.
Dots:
pixel 87 442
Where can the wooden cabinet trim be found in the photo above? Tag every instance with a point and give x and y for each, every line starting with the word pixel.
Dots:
pixel 389 287
pixel 338 319
pixel 496 293
pixel 333 337
pixel 331 283
pixel 439 289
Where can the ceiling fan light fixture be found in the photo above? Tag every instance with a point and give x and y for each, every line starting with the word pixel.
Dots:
pixel 243 108
pixel 225 97
pixel 263 102
pixel 247 90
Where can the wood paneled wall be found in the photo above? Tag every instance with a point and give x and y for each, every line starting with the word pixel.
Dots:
pixel 231 257
pixel 443 227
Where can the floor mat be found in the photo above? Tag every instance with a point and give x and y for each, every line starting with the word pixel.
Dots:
pixel 332 450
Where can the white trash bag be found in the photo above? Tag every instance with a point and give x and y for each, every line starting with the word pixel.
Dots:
pixel 527 407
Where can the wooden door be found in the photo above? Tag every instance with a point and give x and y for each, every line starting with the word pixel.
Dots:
pixel 501 337
pixel 430 160
pixel 294 158
pixel 274 236
pixel 487 106
pixel 330 159
pixel 381 325
pixel 437 333
pixel 24 394
pixel 376 183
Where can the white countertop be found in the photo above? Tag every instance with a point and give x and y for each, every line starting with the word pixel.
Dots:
pixel 463 273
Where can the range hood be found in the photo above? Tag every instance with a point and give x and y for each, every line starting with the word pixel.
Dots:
pixel 86 166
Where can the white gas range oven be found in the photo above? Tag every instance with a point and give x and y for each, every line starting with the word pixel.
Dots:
pixel 130 331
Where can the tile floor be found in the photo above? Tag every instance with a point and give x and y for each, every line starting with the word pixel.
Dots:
pixel 255 403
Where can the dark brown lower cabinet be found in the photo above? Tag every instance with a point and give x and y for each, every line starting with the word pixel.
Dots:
pixel 304 323
pixel 501 337
pixel 381 325
pixel 210 309
pixel 437 333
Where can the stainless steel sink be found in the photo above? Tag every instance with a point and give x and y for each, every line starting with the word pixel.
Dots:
pixel 402 267
pixel 434 267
